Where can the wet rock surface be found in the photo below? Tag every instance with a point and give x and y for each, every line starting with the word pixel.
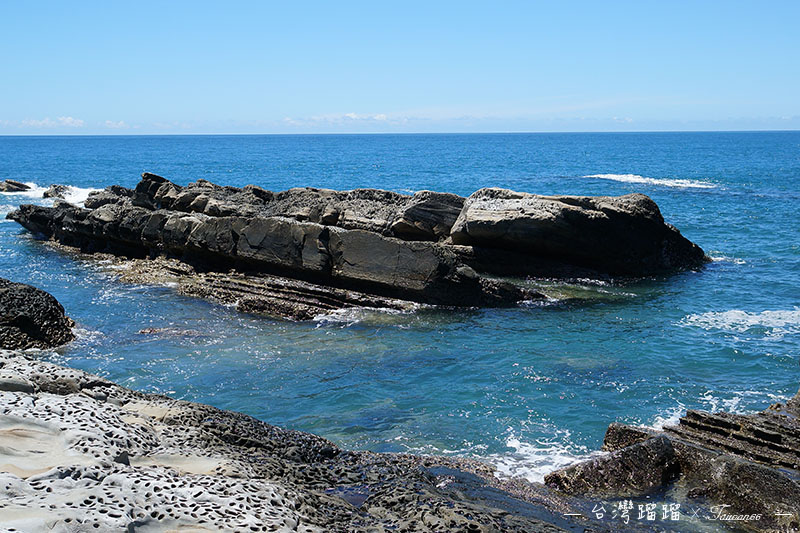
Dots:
pixel 750 464
pixel 56 191
pixel 78 452
pixel 13 186
pixel 431 248
pixel 31 318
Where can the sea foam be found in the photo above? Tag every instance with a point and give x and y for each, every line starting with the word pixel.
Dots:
pixel 78 195
pixel 73 195
pixel 664 182
pixel 777 323
pixel 34 192
pixel 533 461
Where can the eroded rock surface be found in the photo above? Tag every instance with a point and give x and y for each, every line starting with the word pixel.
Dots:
pixel 78 452
pixel 432 248
pixel 31 318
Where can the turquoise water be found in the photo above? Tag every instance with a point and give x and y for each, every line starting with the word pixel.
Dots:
pixel 528 388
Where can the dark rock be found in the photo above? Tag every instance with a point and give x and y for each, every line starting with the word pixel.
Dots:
pixel 114 194
pixel 741 464
pixel 631 471
pixel 619 436
pixel 623 235
pixel 31 318
pixel 428 216
pixel 13 186
pixel 56 191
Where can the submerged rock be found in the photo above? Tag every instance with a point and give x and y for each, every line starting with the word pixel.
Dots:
pixel 31 318
pixel 432 248
pixel 13 186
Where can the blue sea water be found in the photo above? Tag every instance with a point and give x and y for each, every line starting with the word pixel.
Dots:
pixel 527 389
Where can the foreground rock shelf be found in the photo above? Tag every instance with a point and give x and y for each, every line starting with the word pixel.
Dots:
pixel 79 453
pixel 331 249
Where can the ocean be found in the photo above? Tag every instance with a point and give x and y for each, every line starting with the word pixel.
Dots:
pixel 528 389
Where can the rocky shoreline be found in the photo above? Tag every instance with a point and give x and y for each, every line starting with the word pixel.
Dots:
pixel 78 453
pixel 81 453
pixel 303 252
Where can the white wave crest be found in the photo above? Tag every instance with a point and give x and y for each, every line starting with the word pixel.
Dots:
pixel 668 417
pixel 534 461
pixel 78 195
pixel 664 182
pixel 4 210
pixel 33 192
pixel 777 323
pixel 73 195
pixel 726 259
pixel 353 315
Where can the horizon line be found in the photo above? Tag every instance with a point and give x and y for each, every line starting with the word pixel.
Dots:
pixel 542 132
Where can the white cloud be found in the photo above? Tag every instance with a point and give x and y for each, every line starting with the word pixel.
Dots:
pixel 118 125
pixel 345 118
pixel 71 122
pixel 47 122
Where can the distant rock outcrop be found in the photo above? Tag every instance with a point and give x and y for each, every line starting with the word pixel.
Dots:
pixel 13 186
pixel 31 318
pixel 432 248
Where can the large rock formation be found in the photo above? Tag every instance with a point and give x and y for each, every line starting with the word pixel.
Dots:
pixel 79 453
pixel 623 235
pixel 431 248
pixel 747 466
pixel 31 318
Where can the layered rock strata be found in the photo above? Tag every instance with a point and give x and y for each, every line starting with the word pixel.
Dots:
pixel 746 465
pixel 79 453
pixel 432 248
pixel 31 318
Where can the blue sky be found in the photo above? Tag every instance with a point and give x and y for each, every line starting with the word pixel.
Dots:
pixel 307 67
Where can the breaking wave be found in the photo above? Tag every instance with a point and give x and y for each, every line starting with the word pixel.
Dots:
pixel 74 195
pixel 776 323
pixel 534 461
pixel 356 315
pixel 34 192
pixel 664 182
